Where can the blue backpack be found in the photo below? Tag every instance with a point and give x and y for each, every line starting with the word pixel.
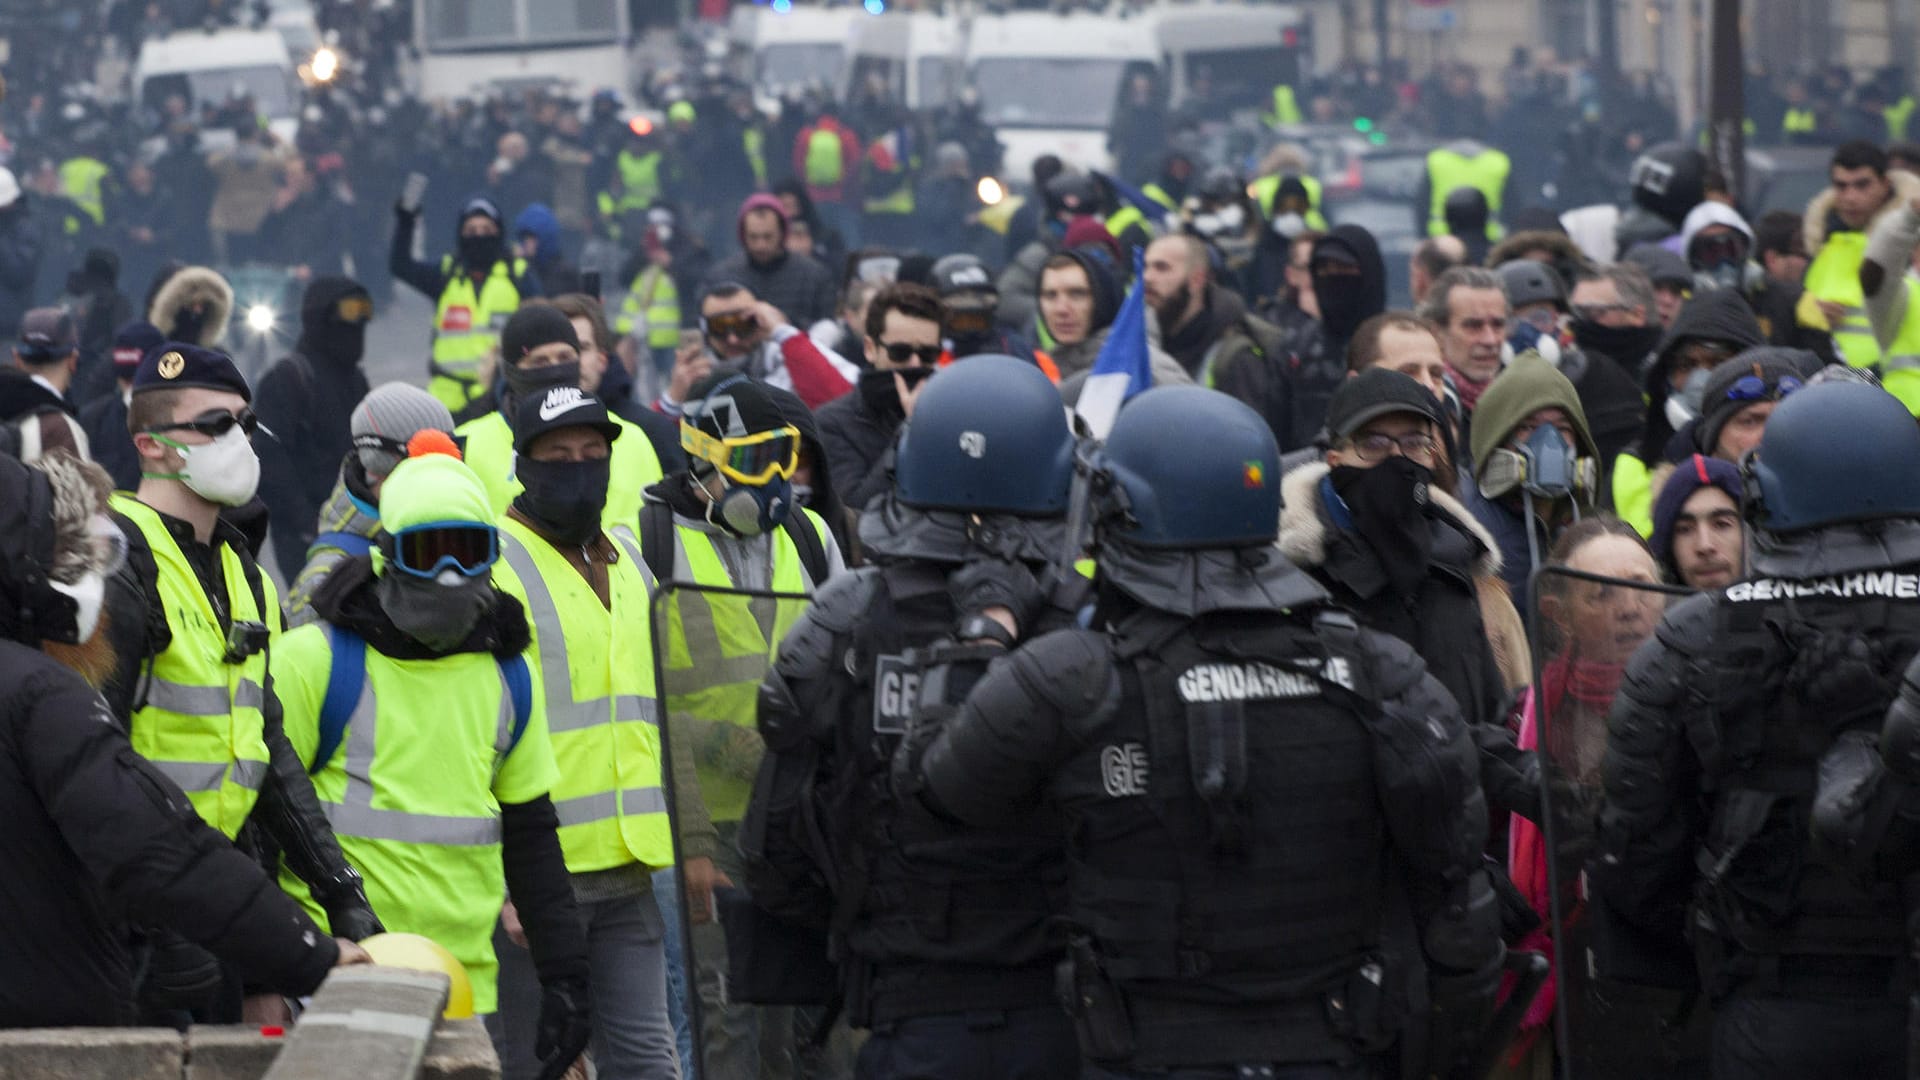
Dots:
pixel 349 675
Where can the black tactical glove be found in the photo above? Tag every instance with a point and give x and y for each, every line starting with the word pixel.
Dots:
pixel 1841 674
pixel 987 582
pixel 1463 1007
pixel 349 915
pixel 566 1023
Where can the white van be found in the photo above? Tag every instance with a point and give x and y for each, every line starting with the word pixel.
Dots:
pixel 797 48
pixel 1048 82
pixel 1231 56
pixel 471 49
pixel 207 68
pixel 918 53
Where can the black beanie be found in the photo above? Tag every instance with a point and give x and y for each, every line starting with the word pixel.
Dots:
pixel 532 327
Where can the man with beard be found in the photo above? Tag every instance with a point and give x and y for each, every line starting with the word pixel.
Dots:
pixel 94 830
pixel 475 290
pixel 1697 535
pixel 1350 285
pixel 796 284
pixel 306 403
pixel 903 347
pixel 1210 332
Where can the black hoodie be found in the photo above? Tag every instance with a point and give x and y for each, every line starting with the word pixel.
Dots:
pixel 1317 351
pixel 1715 315
pixel 307 403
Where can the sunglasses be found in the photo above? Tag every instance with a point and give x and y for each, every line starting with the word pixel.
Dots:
pixel 215 423
pixel 354 309
pixel 1755 388
pixel 900 352
pixel 749 459
pixel 461 546
pixel 735 327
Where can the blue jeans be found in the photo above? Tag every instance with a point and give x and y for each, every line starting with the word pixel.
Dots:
pixel 632 1036
pixel 666 891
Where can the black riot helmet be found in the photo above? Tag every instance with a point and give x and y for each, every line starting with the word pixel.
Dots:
pixel 988 436
pixel 1669 180
pixel 1191 468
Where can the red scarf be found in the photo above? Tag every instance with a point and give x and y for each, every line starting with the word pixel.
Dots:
pixel 1469 389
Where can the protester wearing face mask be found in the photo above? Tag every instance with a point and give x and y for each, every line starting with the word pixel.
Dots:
pixel 191 680
pixel 1535 466
pixel 730 521
pixel 1615 330
pixel 903 348
pixel 349 522
pixel 586 593
pixel 1350 287
pixel 435 763
pixel 474 290
pixel 306 402
pixel 94 831
pixel 539 350
pixel 1712 327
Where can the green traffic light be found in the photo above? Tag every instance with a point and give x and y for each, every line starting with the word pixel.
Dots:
pixel 1363 124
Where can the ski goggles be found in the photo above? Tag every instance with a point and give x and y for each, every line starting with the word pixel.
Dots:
pixel 1718 249
pixel 735 326
pixel 748 459
pixel 464 547
pixel 1756 388
pixel 215 422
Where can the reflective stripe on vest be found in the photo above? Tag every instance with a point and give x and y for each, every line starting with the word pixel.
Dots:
pixel 1448 170
pixel 200 719
pixel 466 326
pixel 639 180
pixel 1834 276
pixel 488 449
pixel 826 165
pixel 609 798
pixel 1265 188
pixel 1286 107
pixel 717 649
pixel 652 304
pixel 1900 371
pixel 1897 116
pixel 1125 218
pixel 1799 122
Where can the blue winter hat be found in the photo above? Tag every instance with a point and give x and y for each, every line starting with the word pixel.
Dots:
pixel 1692 474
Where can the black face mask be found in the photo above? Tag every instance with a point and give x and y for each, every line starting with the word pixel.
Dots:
pixel 479 253
pixel 879 393
pixel 525 383
pixel 1389 504
pixel 564 498
pixel 1625 345
pixel 339 342
pixel 1343 302
pixel 441 617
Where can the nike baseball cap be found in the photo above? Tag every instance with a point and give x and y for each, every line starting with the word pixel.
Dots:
pixel 560 407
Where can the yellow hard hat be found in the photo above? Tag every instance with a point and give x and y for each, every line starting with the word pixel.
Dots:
pixel 418 953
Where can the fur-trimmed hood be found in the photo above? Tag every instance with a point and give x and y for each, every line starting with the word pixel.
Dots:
pixel 1305 527
pixel 1813 227
pixel 191 288
pixel 1566 253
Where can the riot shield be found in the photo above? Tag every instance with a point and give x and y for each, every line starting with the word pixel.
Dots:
pixel 1585 627
pixel 712 646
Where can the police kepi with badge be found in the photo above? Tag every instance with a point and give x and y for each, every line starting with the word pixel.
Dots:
pixel 941 930
pixel 1273 818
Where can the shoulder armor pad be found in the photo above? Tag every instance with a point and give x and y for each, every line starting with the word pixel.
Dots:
pixel 839 604
pixel 1069 669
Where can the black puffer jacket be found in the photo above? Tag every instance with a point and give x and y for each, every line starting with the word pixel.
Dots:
pixel 93 833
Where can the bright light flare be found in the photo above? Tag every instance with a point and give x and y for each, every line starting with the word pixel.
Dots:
pixel 326 64
pixel 990 191
pixel 260 319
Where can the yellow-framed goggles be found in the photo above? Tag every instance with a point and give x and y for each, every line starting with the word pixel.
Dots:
pixel 749 459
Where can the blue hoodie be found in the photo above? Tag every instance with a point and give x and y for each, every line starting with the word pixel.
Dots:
pixel 538 220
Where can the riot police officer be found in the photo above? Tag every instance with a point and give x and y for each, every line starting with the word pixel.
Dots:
pixel 1274 817
pixel 1716 741
pixel 941 930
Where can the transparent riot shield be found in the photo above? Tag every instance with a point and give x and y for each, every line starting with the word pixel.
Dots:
pixel 751 991
pixel 1585 628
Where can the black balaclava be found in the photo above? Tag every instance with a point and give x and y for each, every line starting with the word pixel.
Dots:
pixel 528 329
pixel 1347 300
pixel 479 253
pixel 324 336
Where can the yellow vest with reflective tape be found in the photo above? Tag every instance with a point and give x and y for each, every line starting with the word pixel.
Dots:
pixel 414 790
pixel 826 165
pixel 200 720
pixel 1834 276
pixel 1900 371
pixel 84 179
pixel 754 142
pixel 639 180
pixel 653 302
pixel 1286 107
pixel 1799 122
pixel 1449 170
pixel 466 326
pixel 1897 116
pixel 596 672
pixel 1126 218
pixel 488 451
pixel 717 649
